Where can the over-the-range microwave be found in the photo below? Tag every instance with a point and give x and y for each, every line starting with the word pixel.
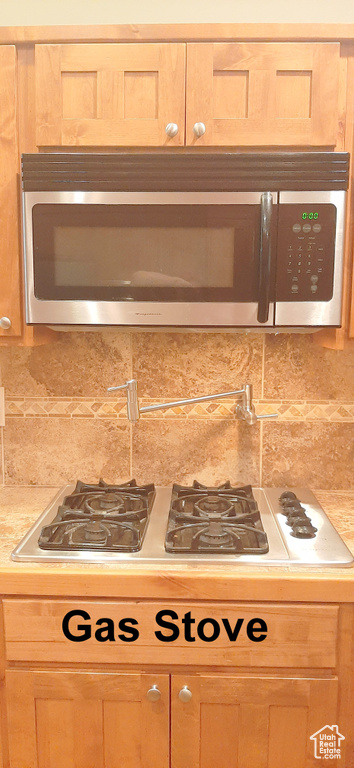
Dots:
pixel 222 240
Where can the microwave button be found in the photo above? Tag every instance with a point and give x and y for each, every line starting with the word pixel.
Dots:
pixel 314 279
pixel 314 288
pixel 316 228
pixel 295 288
pixel 296 228
pixel 306 228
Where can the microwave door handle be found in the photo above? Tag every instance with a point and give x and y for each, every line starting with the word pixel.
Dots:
pixel 265 257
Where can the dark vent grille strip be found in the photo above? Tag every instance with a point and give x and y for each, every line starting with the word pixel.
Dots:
pixel 229 171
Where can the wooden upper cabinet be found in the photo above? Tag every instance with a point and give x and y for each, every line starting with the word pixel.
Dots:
pixel 10 288
pixel 249 722
pixel 125 94
pixel 87 720
pixel 109 94
pixel 274 94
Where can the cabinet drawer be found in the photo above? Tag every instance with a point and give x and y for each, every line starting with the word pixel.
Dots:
pixel 125 633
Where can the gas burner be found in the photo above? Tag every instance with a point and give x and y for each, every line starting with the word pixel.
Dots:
pixel 95 532
pixel 102 516
pixel 211 506
pixel 216 520
pixel 111 504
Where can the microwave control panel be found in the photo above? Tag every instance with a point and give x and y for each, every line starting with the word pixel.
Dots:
pixel 305 252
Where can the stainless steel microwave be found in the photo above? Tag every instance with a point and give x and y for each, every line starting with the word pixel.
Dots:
pixel 184 240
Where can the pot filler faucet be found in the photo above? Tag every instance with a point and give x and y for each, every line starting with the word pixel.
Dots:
pixel 245 410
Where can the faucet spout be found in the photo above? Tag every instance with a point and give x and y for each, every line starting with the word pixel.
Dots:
pixel 245 410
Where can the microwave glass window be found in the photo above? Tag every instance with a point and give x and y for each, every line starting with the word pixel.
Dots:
pixel 173 257
pixel 146 252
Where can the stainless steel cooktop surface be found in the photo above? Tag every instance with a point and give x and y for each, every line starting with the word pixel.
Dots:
pixel 318 545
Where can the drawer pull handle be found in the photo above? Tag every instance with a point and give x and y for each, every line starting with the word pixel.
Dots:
pixel 185 694
pixel 5 323
pixel 153 693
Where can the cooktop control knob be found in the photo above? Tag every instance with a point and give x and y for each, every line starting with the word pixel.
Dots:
pixel 297 519
pixel 304 530
pixel 287 496
pixel 298 514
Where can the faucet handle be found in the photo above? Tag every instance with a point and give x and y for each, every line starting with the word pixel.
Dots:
pixel 131 388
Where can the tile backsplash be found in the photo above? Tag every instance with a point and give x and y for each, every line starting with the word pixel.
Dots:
pixel 61 424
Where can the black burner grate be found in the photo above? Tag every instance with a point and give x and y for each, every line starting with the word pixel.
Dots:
pixel 215 520
pixel 103 516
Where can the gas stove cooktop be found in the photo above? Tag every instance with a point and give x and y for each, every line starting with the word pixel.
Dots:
pixel 129 523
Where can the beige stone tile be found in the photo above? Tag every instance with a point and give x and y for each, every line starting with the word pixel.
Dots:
pixel 77 364
pixel 181 365
pixel 55 451
pixel 296 367
pixel 211 452
pixel 319 455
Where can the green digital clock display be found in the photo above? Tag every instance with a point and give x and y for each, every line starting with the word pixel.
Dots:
pixel 311 215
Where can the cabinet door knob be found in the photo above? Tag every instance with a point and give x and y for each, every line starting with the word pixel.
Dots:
pixel 171 129
pixel 199 129
pixel 185 694
pixel 153 693
pixel 5 323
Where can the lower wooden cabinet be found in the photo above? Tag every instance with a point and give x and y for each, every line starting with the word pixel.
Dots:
pixel 60 719
pixel 248 722
pixel 87 720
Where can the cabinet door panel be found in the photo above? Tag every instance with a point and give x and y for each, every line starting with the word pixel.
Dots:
pixel 87 720
pixel 109 94
pixel 245 722
pixel 272 94
pixel 10 290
